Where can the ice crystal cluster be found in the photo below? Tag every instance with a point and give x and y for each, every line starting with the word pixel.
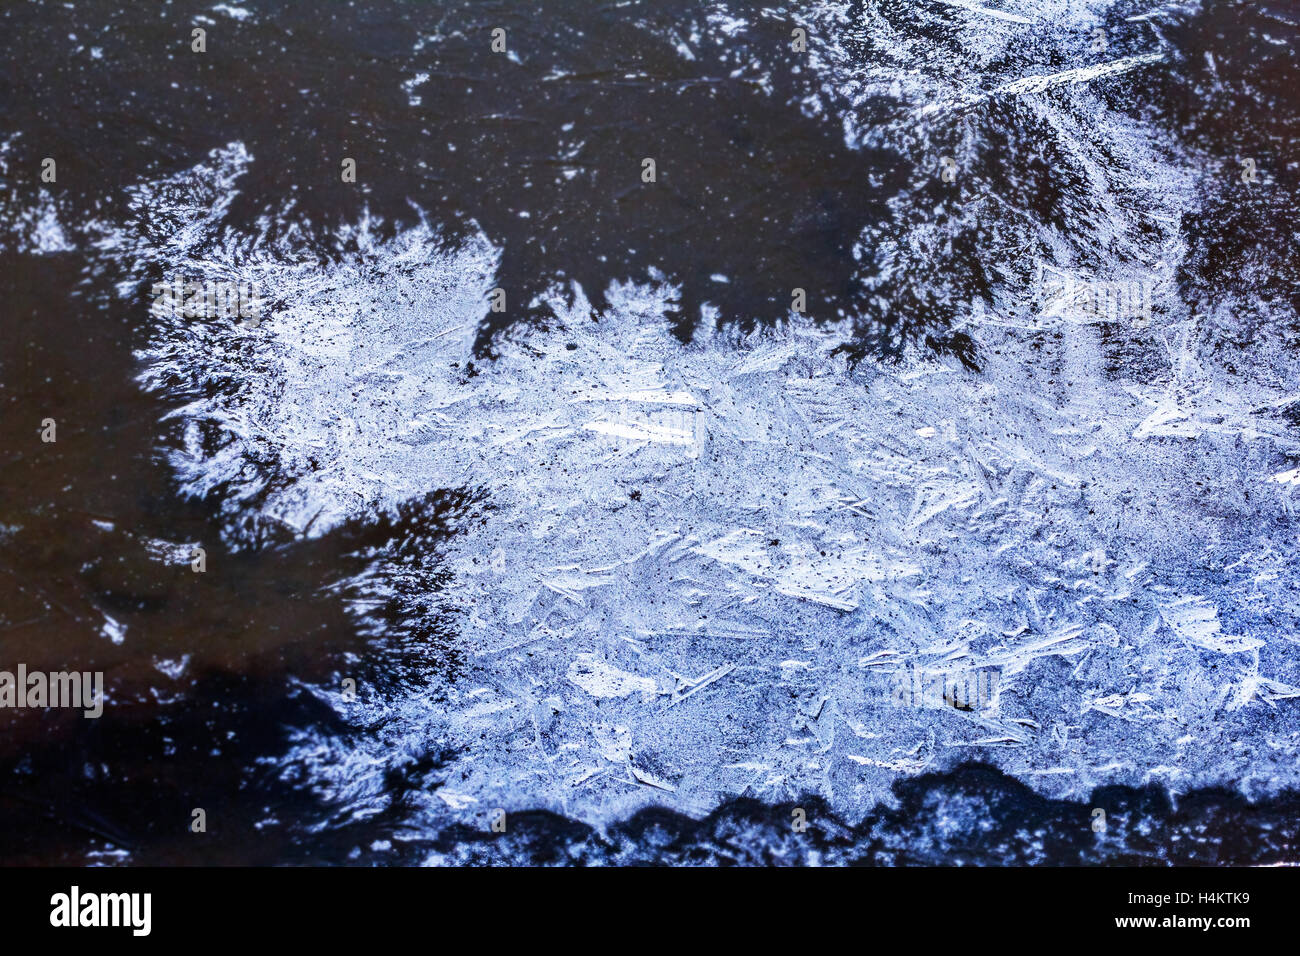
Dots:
pixel 705 567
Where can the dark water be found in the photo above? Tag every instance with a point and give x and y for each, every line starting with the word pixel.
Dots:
pixel 754 186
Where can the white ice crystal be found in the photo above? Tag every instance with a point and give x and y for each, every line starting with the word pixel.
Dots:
pixel 709 563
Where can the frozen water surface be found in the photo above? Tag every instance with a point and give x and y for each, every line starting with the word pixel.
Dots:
pixel 704 567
